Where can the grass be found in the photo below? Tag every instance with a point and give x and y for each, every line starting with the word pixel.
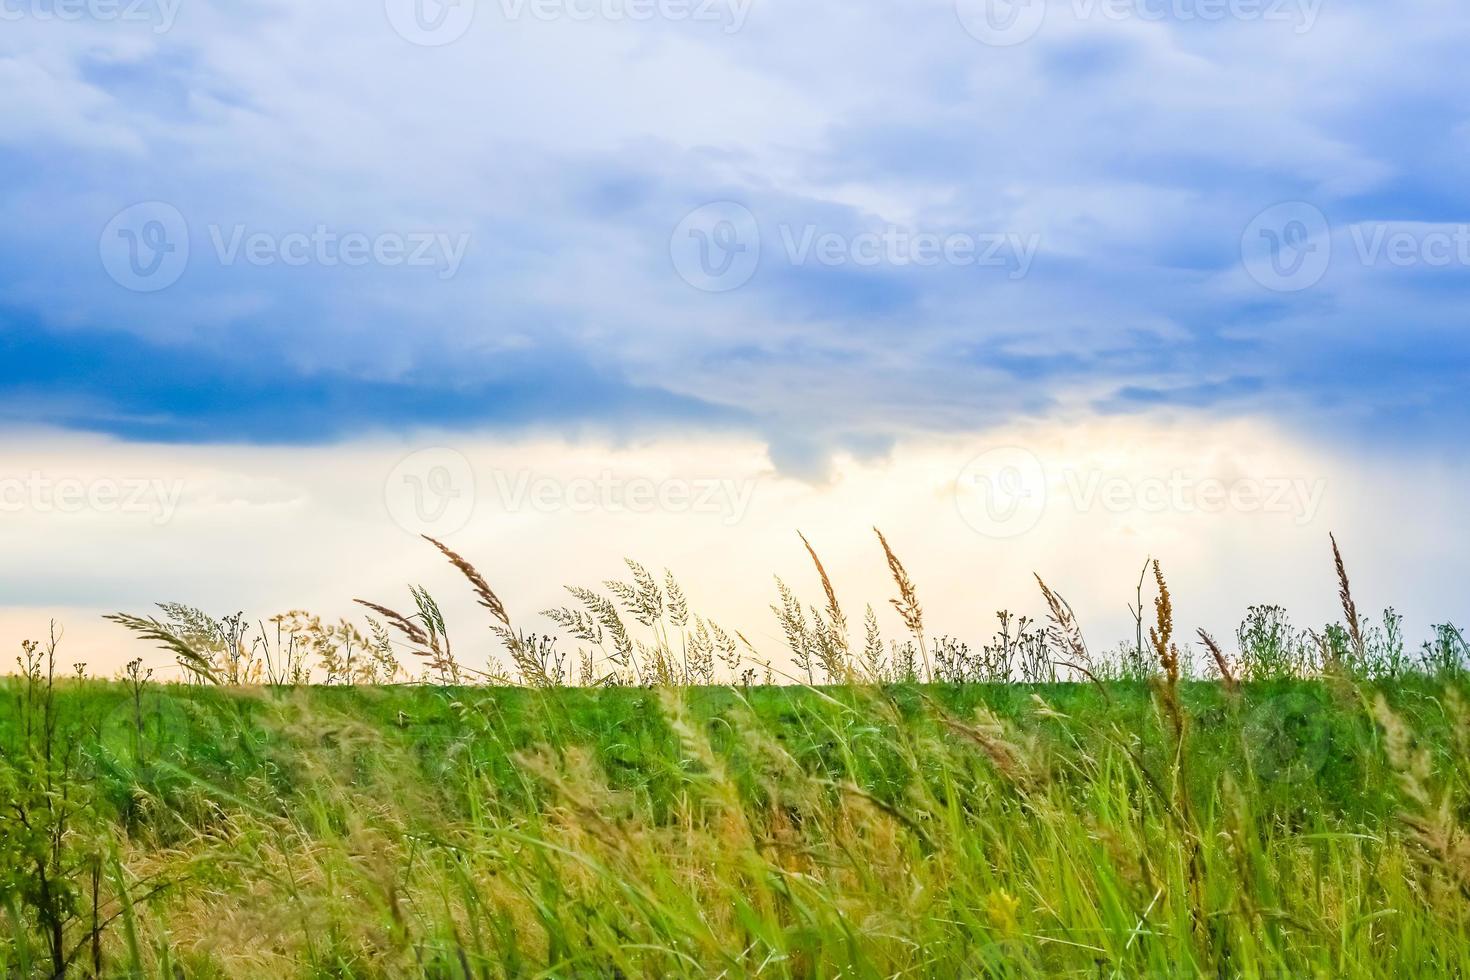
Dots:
pixel 1297 812
pixel 948 830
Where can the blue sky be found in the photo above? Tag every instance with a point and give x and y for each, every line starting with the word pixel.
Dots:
pixel 1131 145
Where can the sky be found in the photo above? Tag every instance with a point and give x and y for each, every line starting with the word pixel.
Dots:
pixel 1034 286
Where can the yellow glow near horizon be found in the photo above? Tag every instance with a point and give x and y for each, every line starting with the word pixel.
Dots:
pixel 1238 512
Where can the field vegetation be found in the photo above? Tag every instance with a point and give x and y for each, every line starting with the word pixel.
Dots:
pixel 644 793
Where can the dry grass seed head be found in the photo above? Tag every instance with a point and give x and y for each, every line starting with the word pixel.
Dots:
pixel 834 609
pixel 1009 757
pixel 406 626
pixel 1065 630
pixel 907 602
pixel 1227 676
pixel 483 592
pixel 1345 594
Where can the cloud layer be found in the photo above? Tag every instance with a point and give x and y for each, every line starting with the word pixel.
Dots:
pixel 915 231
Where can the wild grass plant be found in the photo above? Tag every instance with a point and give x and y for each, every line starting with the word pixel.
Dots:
pixel 650 805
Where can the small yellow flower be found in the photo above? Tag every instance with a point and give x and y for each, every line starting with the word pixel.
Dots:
pixel 1001 907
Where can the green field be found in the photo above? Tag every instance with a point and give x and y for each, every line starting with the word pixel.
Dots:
pixel 1298 829
pixel 1293 808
